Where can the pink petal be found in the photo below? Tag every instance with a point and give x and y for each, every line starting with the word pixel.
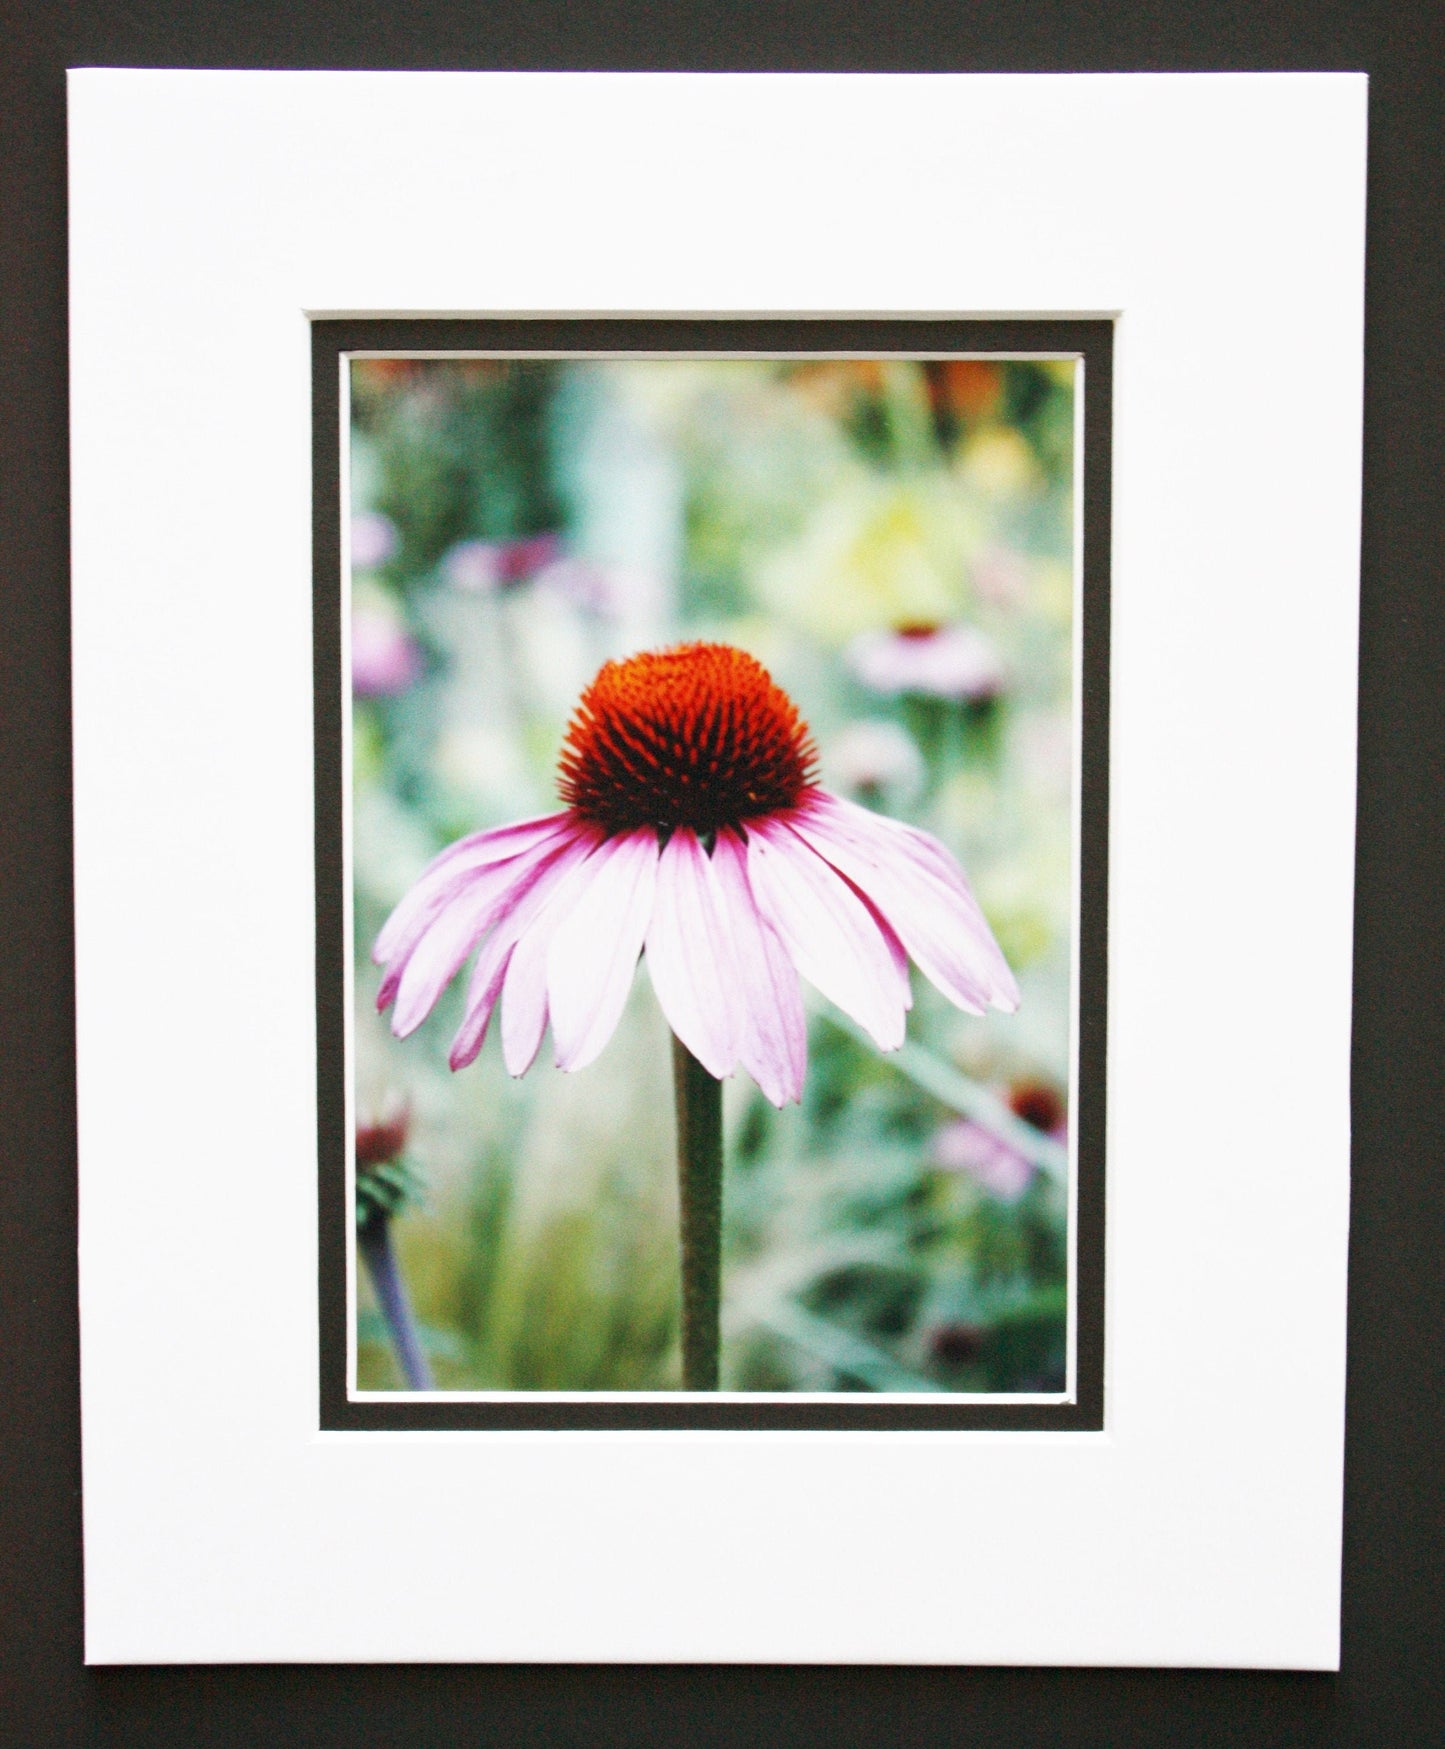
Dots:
pixel 468 891
pixel 408 923
pixel 500 842
pixel 492 962
pixel 966 1146
pixel 593 953
pixel 436 943
pixel 932 920
pixel 922 893
pixel 439 879
pixel 437 957
pixel 524 989
pixel 482 994
pixel 773 1033
pixel 830 934
pixel 524 1000
pixel 880 836
pixel 690 957
pixel 882 839
pixel 896 950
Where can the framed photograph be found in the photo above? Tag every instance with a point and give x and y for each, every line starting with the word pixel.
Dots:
pixel 687 526
pixel 793 566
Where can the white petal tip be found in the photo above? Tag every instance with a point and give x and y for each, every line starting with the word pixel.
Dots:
pixel 886 1042
pixel 517 1067
pixel 721 1069
pixel 580 1056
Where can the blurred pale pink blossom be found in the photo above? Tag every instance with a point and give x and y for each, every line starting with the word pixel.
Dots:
pixel 999 1167
pixel 875 758
pixel 373 540
pixel 1046 753
pixel 942 661
pixel 483 566
pixel 384 657
pixel 1001 578
pixel 585 585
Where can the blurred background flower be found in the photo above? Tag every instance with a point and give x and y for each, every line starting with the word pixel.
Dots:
pixel 385 658
pixel 491 564
pixel 876 761
pixel 944 661
pixel 373 540
pixel 997 1161
pixel 381 1135
pixel 518 523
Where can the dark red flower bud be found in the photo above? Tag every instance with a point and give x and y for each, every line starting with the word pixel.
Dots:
pixel 1038 1104
pixel 381 1139
pixel 955 1344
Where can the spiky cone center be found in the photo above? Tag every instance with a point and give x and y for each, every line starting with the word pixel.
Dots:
pixel 699 736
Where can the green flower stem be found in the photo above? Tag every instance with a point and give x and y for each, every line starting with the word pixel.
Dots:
pixel 698 1098
pixel 374 1243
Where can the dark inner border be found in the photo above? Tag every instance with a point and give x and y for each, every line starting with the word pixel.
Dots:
pixel 1093 340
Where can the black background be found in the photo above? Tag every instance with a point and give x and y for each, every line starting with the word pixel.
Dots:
pixel 1390 1689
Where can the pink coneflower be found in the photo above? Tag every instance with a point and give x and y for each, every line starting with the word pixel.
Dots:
pixel 994 1163
pixel 484 566
pixel 384 657
pixel 939 661
pixel 693 830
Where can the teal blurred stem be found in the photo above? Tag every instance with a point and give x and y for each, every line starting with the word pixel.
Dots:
pixel 698 1099
pixel 374 1243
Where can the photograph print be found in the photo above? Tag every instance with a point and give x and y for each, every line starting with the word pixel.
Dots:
pixel 717 840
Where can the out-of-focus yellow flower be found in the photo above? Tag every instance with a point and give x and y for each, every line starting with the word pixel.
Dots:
pixel 1054 590
pixel 998 464
pixel 831 386
pixel 878 555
